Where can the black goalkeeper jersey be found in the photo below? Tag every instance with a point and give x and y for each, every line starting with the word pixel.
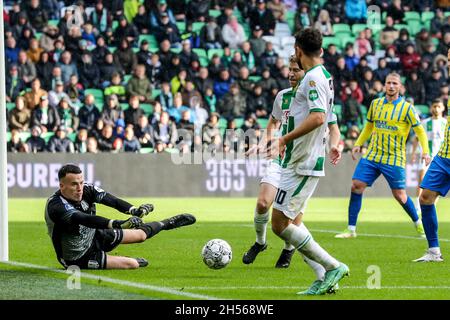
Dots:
pixel 71 225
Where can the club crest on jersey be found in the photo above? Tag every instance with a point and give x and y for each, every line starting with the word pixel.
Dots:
pixel 312 83
pixel 286 114
pixel 313 95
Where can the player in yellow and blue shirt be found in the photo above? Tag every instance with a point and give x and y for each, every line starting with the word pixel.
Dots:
pixel 389 121
pixel 435 183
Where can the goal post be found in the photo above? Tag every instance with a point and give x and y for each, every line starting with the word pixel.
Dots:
pixel 4 254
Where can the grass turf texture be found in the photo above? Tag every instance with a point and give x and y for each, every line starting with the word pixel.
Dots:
pixel 386 238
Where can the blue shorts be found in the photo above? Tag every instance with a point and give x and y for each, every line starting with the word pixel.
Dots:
pixel 368 171
pixel 437 177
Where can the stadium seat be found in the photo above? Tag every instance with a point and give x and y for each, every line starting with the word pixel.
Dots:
pixel 414 27
pixel 427 16
pixel 239 122
pixel 24 136
pixel 238 15
pixel 290 19
pixel 282 30
pixel 146 150
pixel 254 78
pixel 331 40
pixel 47 135
pixel 53 22
pixel 222 123
pixel 214 13
pixel 338 111
pixel 181 25
pixel 341 29
pixel 274 40
pixel 247 30
pixel 197 26
pixel 150 38
pixel 8 136
pixel 115 24
pixel 357 28
pixel 72 136
pixel 287 42
pixel 99 106
pixel 204 61
pixel 212 52
pixel 423 109
pixel 97 93
pixel 10 106
pixel 263 122
pixel 171 150
pixel 412 15
pixel 112 49
pixel 347 39
pixel 176 50
pixel 127 78
pixel 200 52
pixel 147 108
pixel 155 93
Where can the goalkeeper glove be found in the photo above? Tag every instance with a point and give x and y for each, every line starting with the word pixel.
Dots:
pixel 130 223
pixel 142 211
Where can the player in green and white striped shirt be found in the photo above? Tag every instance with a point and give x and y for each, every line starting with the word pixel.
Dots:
pixel 435 130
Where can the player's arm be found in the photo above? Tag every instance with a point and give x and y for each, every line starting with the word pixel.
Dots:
pixel 120 205
pixel 415 144
pixel 335 138
pixel 365 134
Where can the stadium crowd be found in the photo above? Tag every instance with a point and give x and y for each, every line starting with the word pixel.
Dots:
pixel 127 75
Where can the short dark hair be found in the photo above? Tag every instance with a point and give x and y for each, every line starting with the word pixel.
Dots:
pixel 68 168
pixel 310 41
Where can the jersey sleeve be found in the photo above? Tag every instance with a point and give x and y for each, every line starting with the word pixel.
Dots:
pixel 370 112
pixel 412 117
pixel 331 117
pixel 276 109
pixel 98 195
pixel 317 93
pixel 60 212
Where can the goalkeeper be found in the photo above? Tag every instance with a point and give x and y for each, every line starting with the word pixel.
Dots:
pixel 82 238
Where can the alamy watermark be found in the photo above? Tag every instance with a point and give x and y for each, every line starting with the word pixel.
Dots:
pixel 374 280
pixel 74 280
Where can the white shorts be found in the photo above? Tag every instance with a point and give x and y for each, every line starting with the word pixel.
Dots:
pixel 294 192
pixel 273 172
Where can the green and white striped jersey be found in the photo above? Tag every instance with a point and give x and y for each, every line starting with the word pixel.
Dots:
pixel 435 129
pixel 315 93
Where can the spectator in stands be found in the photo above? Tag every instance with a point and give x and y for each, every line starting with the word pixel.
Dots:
pixel 165 98
pixel 107 69
pixel 362 46
pixel 26 68
pixel 130 143
pixel 415 87
pixel 139 85
pixel 227 12
pixel 203 81
pixel 88 113
pixel 323 23
pixel 186 130
pixel 429 53
pixel 88 72
pixel 268 58
pixel 175 111
pixel 433 86
pixel 156 114
pixel 392 60
pixel 263 17
pixel 166 133
pixel 81 141
pixel 168 30
pixel 200 114
pixel 267 82
pixel 165 55
pixel 56 95
pixel 89 36
pixel 67 115
pixel 33 97
pixel 116 88
pixel 14 84
pixel 342 76
pixel 214 67
pixel 444 44
pixel 14 13
pixel 125 57
pixel 59 49
pixel 336 9
pixel 107 142
pixel 100 17
pixel 382 71
pixel 351 137
pixel 248 57
pixel 257 102
pixel 92 145
pixel 178 82
pixel 245 84
pixel 36 143
pixel 74 43
pixel 330 57
pixel 236 64
pixel 197 11
pixel 157 14
pixel 75 92
pixel 278 9
pixel 258 44
pixel 423 40
pixel 424 71
pixel 100 51
pixel 144 133
pixel 210 100
pixel 141 20
pixel 22 24
pixel 222 85
pixel 37 15
pixel 45 116
pixel 303 18
pixel 187 55
pixel 16 144
pixel 351 59
pixel 125 31
pixel 189 93
pixel 366 85
pixel 410 60
pixel 19 117
pixel 403 41
pixel 388 34
pixel 437 22
pixel 211 136
pixel 396 11
pixel 133 112
pixel 60 143
pixel 232 104
pixel 233 33
pixel 44 70
pixel 68 68
pixel 283 78
pixel 356 11
pixel 211 35
pixel 53 78
pixel 112 111
pixel 361 68
pixel 250 123
pixel 11 50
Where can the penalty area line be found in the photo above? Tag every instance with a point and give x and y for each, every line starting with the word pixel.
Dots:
pixel 117 281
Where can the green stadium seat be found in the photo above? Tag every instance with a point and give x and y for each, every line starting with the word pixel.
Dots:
pixel 150 38
pixel 53 22
pixel 181 25
pixel 247 29
pixel 197 26
pixel 10 106
pixel 24 136
pixel 147 108
pixel 290 19
pixel 214 13
pixel 414 27
pixel 263 122
pixel 127 78
pixel 446 14
pixel 347 39
pixel 357 28
pixel 176 50
pixel 204 61
pixel 115 24
pixel 171 150
pixel 8 136
pixel 383 16
pixel 212 52
pixel 124 106
pixel 155 93
pixel 146 150
pixel 112 49
pixel 38 35
pixel 222 123
pixel 400 26
pixel 435 42
pixel 72 136
pixel 331 40
pixel 238 15
pixel 239 122
pixel 422 109
pixel 97 93
pixel 341 27
pixel 412 15
pixel 99 106
pixel 427 15
pixel 200 52
pixel 47 135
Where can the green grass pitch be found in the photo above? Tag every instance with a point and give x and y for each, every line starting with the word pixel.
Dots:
pixel 386 240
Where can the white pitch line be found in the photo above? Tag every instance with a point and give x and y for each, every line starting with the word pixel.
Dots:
pixel 119 282
pixel 301 288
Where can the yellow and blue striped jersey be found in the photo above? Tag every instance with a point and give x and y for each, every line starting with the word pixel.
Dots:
pixel 392 122
pixel 444 152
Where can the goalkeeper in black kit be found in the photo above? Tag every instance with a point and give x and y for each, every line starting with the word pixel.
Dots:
pixel 82 238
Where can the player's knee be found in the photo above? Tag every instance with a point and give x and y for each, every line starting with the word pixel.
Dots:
pixel 131 264
pixel 426 198
pixel 140 236
pixel 358 187
pixel 262 206
pixel 401 197
pixel 278 228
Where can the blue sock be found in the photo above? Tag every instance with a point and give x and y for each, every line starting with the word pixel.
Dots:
pixel 353 208
pixel 430 224
pixel 410 209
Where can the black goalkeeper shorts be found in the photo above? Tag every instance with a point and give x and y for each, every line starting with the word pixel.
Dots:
pixel 105 240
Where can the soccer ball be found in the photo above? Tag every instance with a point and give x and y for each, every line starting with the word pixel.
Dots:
pixel 216 254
